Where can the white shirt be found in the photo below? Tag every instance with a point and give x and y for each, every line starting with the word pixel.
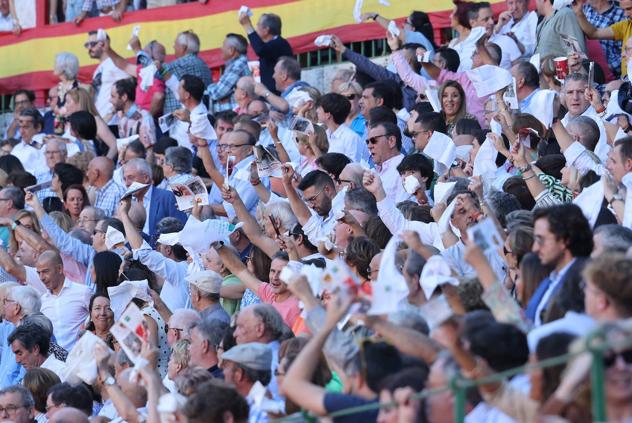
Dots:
pixel 465 49
pixel 109 75
pixel 318 227
pixel 344 140
pixel 455 258
pixel 583 160
pixel 32 159
pixel 509 49
pixel 147 207
pixel 429 233
pixel 6 22
pixel 67 311
pixel 602 148
pixel 180 130
pixel 524 30
pixel 54 365
pixel 391 180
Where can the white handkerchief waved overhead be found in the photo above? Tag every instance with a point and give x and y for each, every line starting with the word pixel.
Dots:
pixel 485 160
pixel 590 201
pixel 435 273
pixel 488 79
pixel 121 295
pixel 147 76
pixel 541 106
pixel 390 286
pixel 442 150
pixel 113 237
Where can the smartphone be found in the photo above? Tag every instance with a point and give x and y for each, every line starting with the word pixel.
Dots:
pixel 38 187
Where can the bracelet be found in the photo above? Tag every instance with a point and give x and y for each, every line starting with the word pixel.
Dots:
pixel 526 169
pixel 528 177
pixel 375 16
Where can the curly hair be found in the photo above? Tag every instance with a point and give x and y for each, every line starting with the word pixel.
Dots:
pixel 568 223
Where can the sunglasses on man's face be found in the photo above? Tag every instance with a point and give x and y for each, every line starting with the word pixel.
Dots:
pixel 90 44
pixel 610 358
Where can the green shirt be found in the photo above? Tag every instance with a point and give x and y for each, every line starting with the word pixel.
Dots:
pixel 231 306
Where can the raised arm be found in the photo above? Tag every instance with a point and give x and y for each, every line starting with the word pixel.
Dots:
pixel 276 101
pixel 407 341
pixel 300 209
pixel 120 62
pixel 251 227
pixel 104 133
pixel 236 267
pixel 209 164
pixel 591 32
pixel 406 73
pixel 131 233
pixel 280 148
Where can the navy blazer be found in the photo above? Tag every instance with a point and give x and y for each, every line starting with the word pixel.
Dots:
pixel 162 204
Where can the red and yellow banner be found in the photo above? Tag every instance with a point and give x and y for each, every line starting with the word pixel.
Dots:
pixel 27 61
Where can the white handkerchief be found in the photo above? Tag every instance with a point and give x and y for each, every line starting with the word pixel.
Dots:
pixel 121 143
pixel 590 201
pixel 244 9
pixel 442 150
pixel 488 79
pixel 393 29
pixel 196 236
pixel 433 97
pixel 201 127
pixel 113 237
pixel 357 10
pixel 80 365
pixel 133 189
pixel 297 99
pixel 541 106
pixel 147 76
pixel 463 152
pixel 170 239
pixel 535 61
pixel 101 35
pixel 442 191
pixel 323 41
pixel 390 286
pixel 436 272
pixel 496 127
pixel 135 32
pixel 613 109
pixel 485 160
pixel 122 294
pixel 411 184
pixel 558 4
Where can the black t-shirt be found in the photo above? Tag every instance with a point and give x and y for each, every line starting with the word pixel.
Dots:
pixel 337 402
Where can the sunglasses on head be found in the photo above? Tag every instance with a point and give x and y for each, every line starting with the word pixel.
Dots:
pixel 610 357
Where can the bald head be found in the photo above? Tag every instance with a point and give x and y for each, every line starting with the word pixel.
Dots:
pixel 100 171
pixel 181 321
pixel 351 175
pixel 137 215
pixel 50 270
pixel 50 257
pixel 69 415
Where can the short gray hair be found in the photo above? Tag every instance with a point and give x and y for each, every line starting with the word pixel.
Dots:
pixel 617 238
pixel 180 158
pixel 238 42
pixel 271 319
pixel 212 330
pixel 588 131
pixel 190 40
pixel 140 165
pixel 576 76
pixel 68 64
pixel 25 395
pixel 283 211
pixel 99 214
pixel 28 299
pixel 247 84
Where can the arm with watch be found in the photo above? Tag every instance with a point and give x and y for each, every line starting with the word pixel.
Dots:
pixel 35 240
pixel 276 101
pixel 7 262
pixel 236 267
pixel 124 407
pixel 613 196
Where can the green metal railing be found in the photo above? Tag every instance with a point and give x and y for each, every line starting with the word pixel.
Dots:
pixel 328 56
pixel 595 344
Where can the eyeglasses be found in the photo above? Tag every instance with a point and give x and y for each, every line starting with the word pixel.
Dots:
pixel 90 44
pixel 610 357
pixel 345 181
pixel 230 147
pixel 375 139
pixel 11 409
pixel 84 220
pixel 167 329
pixel 7 300
pixel 313 198
pixel 52 152
pixel 351 96
pixel 98 231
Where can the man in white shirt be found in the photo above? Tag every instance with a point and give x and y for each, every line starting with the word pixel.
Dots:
pixel 30 343
pixel 485 18
pixel 332 110
pixel 65 303
pixel 30 123
pixel 520 24
pixel 190 93
pixel 22 100
pixel 105 75
pixel 385 142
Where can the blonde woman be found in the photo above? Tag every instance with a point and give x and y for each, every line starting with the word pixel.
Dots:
pixel 352 91
pixel 178 363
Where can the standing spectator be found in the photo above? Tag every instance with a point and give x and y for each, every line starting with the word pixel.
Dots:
pixel 186 48
pixel 132 119
pixel 114 8
pixel 22 100
pixel 66 69
pixel 190 92
pixel 105 75
pixel 31 124
pixel 520 24
pixel 65 303
pixel 602 14
pixel 222 94
pixel 554 23
pixel 267 43
pixel 8 17
pixel 332 110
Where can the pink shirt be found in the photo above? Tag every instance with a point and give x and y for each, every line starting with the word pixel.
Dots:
pixel 288 309
pixel 473 104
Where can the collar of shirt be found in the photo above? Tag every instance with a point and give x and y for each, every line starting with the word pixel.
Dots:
pixel 295 84
pixel 527 100
pixel 556 277
pixel 393 161
pixel 147 198
pixel 337 133
pixel 66 285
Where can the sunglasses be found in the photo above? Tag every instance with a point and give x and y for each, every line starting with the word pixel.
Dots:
pixel 351 96
pixel 90 44
pixel 374 140
pixel 610 357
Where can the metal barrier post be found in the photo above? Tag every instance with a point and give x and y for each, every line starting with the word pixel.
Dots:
pixel 459 398
pixel 597 386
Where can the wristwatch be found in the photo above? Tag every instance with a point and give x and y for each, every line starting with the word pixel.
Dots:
pixel 616 197
pixel 217 244
pixel 109 381
pixel 15 224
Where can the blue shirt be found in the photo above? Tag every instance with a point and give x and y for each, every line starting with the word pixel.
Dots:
pixel 611 48
pixel 524 104
pixel 11 373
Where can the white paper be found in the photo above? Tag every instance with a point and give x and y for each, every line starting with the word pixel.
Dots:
pixel 170 239
pixel 535 61
pixel 122 294
pixel 196 237
pixel 292 269
pixel 590 201
pixel 436 311
pixel 488 79
pixel 246 10
pixel 541 106
pixel 121 143
pixel 511 97
pixel 433 97
pixel 390 287
pixel 133 189
pixel 130 330
pixel 357 10
pixel 485 160
pixel 613 109
pixel 189 193
pixel 496 127
pixel 442 191
pixel 411 184
pixel 435 273
pixel 80 365
pixel 135 32
pixel 201 127
pixel 322 41
pixel 301 125
pixel 166 122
